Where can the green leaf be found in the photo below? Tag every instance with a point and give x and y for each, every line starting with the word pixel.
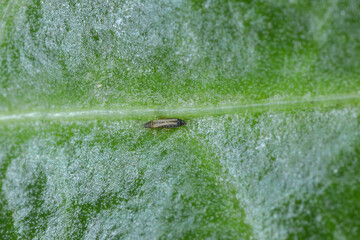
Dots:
pixel 270 91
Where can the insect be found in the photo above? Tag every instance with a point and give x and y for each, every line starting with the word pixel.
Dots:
pixel 165 123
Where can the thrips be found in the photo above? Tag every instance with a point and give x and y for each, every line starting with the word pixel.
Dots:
pixel 165 123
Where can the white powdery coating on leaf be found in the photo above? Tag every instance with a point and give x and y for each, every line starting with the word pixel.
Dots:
pixel 278 158
pixel 112 179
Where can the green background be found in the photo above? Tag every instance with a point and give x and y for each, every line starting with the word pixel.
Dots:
pixel 270 91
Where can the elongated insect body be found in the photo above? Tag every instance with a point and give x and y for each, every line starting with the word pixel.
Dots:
pixel 165 123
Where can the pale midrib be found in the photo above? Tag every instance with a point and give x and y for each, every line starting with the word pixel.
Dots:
pixel 327 101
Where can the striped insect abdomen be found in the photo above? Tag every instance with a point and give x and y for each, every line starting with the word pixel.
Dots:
pixel 165 123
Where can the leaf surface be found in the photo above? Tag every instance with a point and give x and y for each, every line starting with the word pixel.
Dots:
pixel 269 91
